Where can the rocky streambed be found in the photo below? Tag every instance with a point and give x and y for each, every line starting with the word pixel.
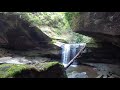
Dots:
pixel 94 70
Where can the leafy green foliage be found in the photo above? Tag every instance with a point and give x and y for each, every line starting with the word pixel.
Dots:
pixel 71 15
pixel 72 37
pixel 57 25
pixel 52 19
pixel 51 23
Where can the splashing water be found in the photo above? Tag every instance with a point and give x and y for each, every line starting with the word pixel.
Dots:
pixel 69 51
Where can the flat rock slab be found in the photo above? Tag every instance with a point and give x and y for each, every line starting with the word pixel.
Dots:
pixel 23 60
pixel 16 60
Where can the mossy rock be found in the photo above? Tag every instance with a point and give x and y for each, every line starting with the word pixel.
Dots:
pixel 42 70
pixel 95 45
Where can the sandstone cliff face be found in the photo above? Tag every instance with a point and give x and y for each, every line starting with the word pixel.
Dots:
pixel 103 26
pixel 16 33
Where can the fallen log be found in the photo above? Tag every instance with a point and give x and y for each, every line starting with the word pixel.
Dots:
pixel 78 54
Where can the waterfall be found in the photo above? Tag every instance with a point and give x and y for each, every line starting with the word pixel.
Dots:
pixel 66 53
pixel 69 51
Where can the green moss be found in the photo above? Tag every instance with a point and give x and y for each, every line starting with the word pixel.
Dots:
pixel 92 45
pixel 95 45
pixel 47 65
pixel 39 70
pixel 9 70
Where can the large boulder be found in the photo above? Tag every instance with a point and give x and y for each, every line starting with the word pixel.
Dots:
pixel 42 70
pixel 103 26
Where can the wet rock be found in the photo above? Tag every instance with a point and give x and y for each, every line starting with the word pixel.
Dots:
pixel 15 60
pixel 106 70
pixel 24 60
pixel 75 74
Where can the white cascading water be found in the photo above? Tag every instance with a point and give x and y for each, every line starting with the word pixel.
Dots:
pixel 69 51
pixel 65 53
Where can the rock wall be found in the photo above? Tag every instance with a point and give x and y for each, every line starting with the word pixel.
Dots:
pixel 16 33
pixel 103 26
pixel 106 53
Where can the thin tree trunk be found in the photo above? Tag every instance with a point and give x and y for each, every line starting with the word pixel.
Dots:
pixel 71 61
